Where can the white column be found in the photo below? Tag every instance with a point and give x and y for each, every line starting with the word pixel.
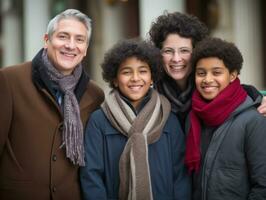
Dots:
pixel 151 9
pixel 109 27
pixel 36 17
pixel 11 35
pixel 113 22
pixel 247 34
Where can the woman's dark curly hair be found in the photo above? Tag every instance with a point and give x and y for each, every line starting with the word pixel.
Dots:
pixel 185 25
pixel 142 50
pixel 218 48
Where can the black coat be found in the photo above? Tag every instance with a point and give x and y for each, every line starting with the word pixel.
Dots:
pixel 234 167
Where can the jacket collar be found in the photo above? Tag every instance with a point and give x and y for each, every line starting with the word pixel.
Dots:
pixel 249 102
pixel 144 101
pixel 42 80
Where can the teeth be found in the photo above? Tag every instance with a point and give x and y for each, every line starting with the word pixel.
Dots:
pixel 177 67
pixel 69 54
pixel 135 87
pixel 209 88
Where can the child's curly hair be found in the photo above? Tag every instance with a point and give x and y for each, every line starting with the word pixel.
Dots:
pixel 142 50
pixel 216 47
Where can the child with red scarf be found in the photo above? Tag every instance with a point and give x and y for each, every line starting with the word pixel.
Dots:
pixel 226 141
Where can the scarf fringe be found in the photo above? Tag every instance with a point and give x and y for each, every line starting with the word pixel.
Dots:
pixel 74 144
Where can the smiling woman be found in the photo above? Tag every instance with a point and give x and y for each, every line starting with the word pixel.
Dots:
pixel 176 52
pixel 176 34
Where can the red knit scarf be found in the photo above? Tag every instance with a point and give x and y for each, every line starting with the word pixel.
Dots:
pixel 212 113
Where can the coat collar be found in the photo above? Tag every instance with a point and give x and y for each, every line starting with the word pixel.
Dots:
pixel 42 80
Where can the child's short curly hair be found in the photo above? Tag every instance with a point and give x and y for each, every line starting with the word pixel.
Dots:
pixel 142 50
pixel 185 25
pixel 216 47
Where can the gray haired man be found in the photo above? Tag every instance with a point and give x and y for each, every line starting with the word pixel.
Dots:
pixel 44 104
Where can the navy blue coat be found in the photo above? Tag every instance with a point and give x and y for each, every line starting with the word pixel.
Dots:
pixel 104 146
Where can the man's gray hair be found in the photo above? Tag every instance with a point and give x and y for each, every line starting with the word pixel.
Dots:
pixel 67 14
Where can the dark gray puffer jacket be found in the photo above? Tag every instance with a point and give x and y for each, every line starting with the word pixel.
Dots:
pixel 234 167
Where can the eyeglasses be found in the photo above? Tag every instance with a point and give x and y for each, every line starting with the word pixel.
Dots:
pixel 181 51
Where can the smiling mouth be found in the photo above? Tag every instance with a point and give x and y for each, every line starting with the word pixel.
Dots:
pixel 177 67
pixel 135 87
pixel 209 88
pixel 70 55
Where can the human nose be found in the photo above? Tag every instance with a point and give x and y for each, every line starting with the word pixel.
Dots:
pixel 176 56
pixel 71 44
pixel 135 76
pixel 208 78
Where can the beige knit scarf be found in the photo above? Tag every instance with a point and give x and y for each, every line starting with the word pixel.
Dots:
pixel 141 130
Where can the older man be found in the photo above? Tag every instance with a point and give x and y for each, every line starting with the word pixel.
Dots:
pixel 43 106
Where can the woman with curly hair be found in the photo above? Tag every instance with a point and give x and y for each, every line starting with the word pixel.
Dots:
pixel 176 34
pixel 227 138
pixel 134 145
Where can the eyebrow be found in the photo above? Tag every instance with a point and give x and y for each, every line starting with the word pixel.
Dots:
pixel 83 36
pixel 202 68
pixel 144 66
pixel 217 68
pixel 183 47
pixel 140 67
pixel 67 33
pixel 124 68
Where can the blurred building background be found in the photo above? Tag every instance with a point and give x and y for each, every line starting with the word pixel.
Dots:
pixel 23 24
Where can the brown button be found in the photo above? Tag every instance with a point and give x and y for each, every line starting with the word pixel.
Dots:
pixel 54 157
pixel 54 189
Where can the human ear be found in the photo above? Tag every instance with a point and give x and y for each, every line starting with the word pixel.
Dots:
pixel 115 83
pixel 45 38
pixel 233 76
